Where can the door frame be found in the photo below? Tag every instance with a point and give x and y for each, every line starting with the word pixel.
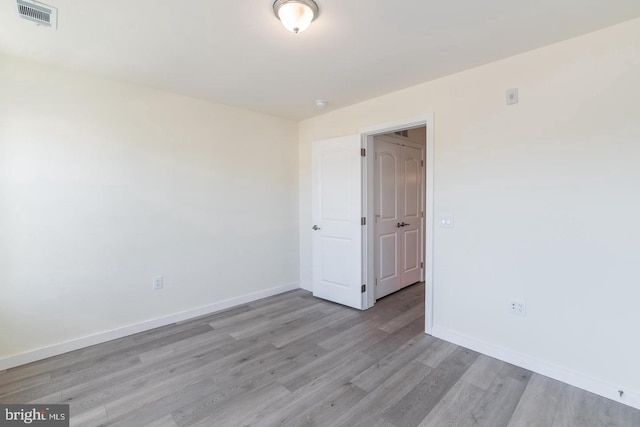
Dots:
pixel 368 232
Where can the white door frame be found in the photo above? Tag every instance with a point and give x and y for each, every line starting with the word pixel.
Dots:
pixel 368 237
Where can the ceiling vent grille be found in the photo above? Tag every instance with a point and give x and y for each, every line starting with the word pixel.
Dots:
pixel 39 13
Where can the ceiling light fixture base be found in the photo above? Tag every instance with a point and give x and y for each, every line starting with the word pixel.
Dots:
pixel 296 15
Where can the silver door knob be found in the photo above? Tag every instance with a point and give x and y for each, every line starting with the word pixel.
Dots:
pixel 315 228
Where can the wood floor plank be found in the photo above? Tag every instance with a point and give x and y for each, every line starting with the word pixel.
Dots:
pixel 482 372
pixel 438 352
pixel 156 403
pixel 287 297
pixel 222 321
pixel 362 333
pixel 576 408
pixel 408 316
pixel 624 415
pixel 539 402
pixel 61 381
pixel 230 410
pixel 415 406
pixel 397 339
pixel 454 407
pixel 185 346
pixel 17 386
pixel 370 409
pixel 94 417
pixel 328 320
pixel 381 423
pixel 499 402
pixel 212 317
pixel 330 360
pixel 581 408
pixel 162 422
pixel 51 399
pixel 330 407
pixel 386 367
pixel 305 395
pixel 154 384
pixel 285 307
pixel 293 359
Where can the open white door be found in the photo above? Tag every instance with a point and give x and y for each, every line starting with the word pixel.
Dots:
pixel 337 213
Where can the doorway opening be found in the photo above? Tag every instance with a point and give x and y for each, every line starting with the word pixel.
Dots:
pixel 398 200
pixel 399 210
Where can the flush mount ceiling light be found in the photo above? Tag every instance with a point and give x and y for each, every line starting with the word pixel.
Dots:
pixel 296 15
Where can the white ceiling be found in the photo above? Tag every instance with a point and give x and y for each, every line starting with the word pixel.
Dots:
pixel 236 52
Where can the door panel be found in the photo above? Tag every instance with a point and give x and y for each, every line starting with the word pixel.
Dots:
pixel 387 207
pixel 336 213
pixel 388 260
pixel 334 199
pixel 333 253
pixel 411 183
pixel 411 269
pixel 388 191
pixel 412 158
pixel 398 204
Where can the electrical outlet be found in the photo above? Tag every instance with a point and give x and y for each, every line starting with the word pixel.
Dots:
pixel 157 282
pixel 518 307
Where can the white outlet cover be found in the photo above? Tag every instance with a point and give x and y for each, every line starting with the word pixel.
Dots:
pixel 518 307
pixel 512 96
pixel 157 282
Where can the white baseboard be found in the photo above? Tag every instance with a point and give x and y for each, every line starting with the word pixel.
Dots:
pixel 576 379
pixel 78 343
pixel 306 286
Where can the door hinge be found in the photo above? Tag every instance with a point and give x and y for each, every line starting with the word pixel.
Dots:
pixel 363 288
pixel 422 214
pixel 363 221
pixel 422 163
pixel 422 265
pixel 363 152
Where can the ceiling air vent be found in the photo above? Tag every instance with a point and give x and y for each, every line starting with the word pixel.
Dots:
pixel 39 13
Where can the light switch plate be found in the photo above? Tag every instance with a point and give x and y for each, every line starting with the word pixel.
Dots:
pixel 512 96
pixel 446 221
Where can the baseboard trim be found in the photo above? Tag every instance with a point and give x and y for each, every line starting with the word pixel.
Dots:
pixel 576 379
pixel 78 343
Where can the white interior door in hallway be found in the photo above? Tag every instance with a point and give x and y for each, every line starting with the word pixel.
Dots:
pixel 399 214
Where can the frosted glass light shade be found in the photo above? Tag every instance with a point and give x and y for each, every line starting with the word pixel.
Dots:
pixel 295 15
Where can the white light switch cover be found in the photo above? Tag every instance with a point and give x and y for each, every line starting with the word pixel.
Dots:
pixel 512 96
pixel 446 221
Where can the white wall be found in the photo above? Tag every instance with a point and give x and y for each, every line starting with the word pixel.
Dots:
pixel 546 201
pixel 104 185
